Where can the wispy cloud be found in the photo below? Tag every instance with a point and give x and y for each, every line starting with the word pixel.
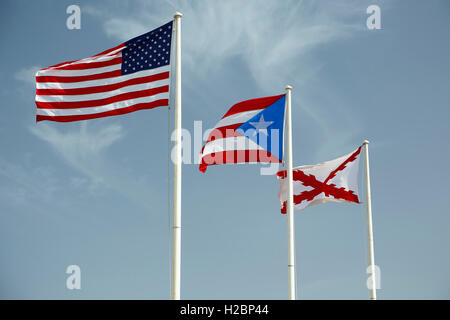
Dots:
pixel 272 38
pixel 78 146
pixel 27 75
pixel 30 184
pixel 85 151
pixel 123 29
pixel 275 41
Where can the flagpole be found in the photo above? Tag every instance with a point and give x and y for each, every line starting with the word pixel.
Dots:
pixel 290 202
pixel 372 290
pixel 176 256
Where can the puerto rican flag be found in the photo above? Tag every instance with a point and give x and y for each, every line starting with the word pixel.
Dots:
pixel 335 180
pixel 251 131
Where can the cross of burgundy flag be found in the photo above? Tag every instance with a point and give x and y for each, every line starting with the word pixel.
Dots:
pixel 251 131
pixel 132 76
pixel 334 180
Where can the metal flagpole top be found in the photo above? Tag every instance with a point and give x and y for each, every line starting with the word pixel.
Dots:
pixel 288 87
pixel 366 142
pixel 177 15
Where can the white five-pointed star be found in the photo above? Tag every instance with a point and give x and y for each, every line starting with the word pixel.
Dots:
pixel 261 125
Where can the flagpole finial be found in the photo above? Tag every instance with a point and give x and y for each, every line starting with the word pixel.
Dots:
pixel 177 15
pixel 288 87
pixel 366 142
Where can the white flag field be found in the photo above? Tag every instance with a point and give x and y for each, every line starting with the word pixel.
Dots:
pixel 334 180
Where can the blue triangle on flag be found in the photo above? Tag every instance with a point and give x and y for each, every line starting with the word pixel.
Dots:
pixel 266 128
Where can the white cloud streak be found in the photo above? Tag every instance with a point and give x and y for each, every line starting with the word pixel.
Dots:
pixel 275 41
pixel 27 75
pixel 85 151
pixel 30 184
pixel 272 38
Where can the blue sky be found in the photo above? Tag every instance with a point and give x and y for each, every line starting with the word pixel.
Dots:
pixel 94 193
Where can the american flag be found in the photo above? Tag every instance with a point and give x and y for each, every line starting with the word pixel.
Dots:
pixel 132 76
pixel 251 131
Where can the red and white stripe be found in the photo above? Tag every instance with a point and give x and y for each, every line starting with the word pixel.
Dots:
pixel 226 146
pixel 94 87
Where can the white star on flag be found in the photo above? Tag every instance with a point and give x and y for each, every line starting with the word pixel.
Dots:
pixel 261 125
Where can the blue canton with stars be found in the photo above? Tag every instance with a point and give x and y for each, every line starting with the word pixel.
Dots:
pixel 148 51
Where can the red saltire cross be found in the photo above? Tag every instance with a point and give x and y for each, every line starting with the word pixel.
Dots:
pixel 310 180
